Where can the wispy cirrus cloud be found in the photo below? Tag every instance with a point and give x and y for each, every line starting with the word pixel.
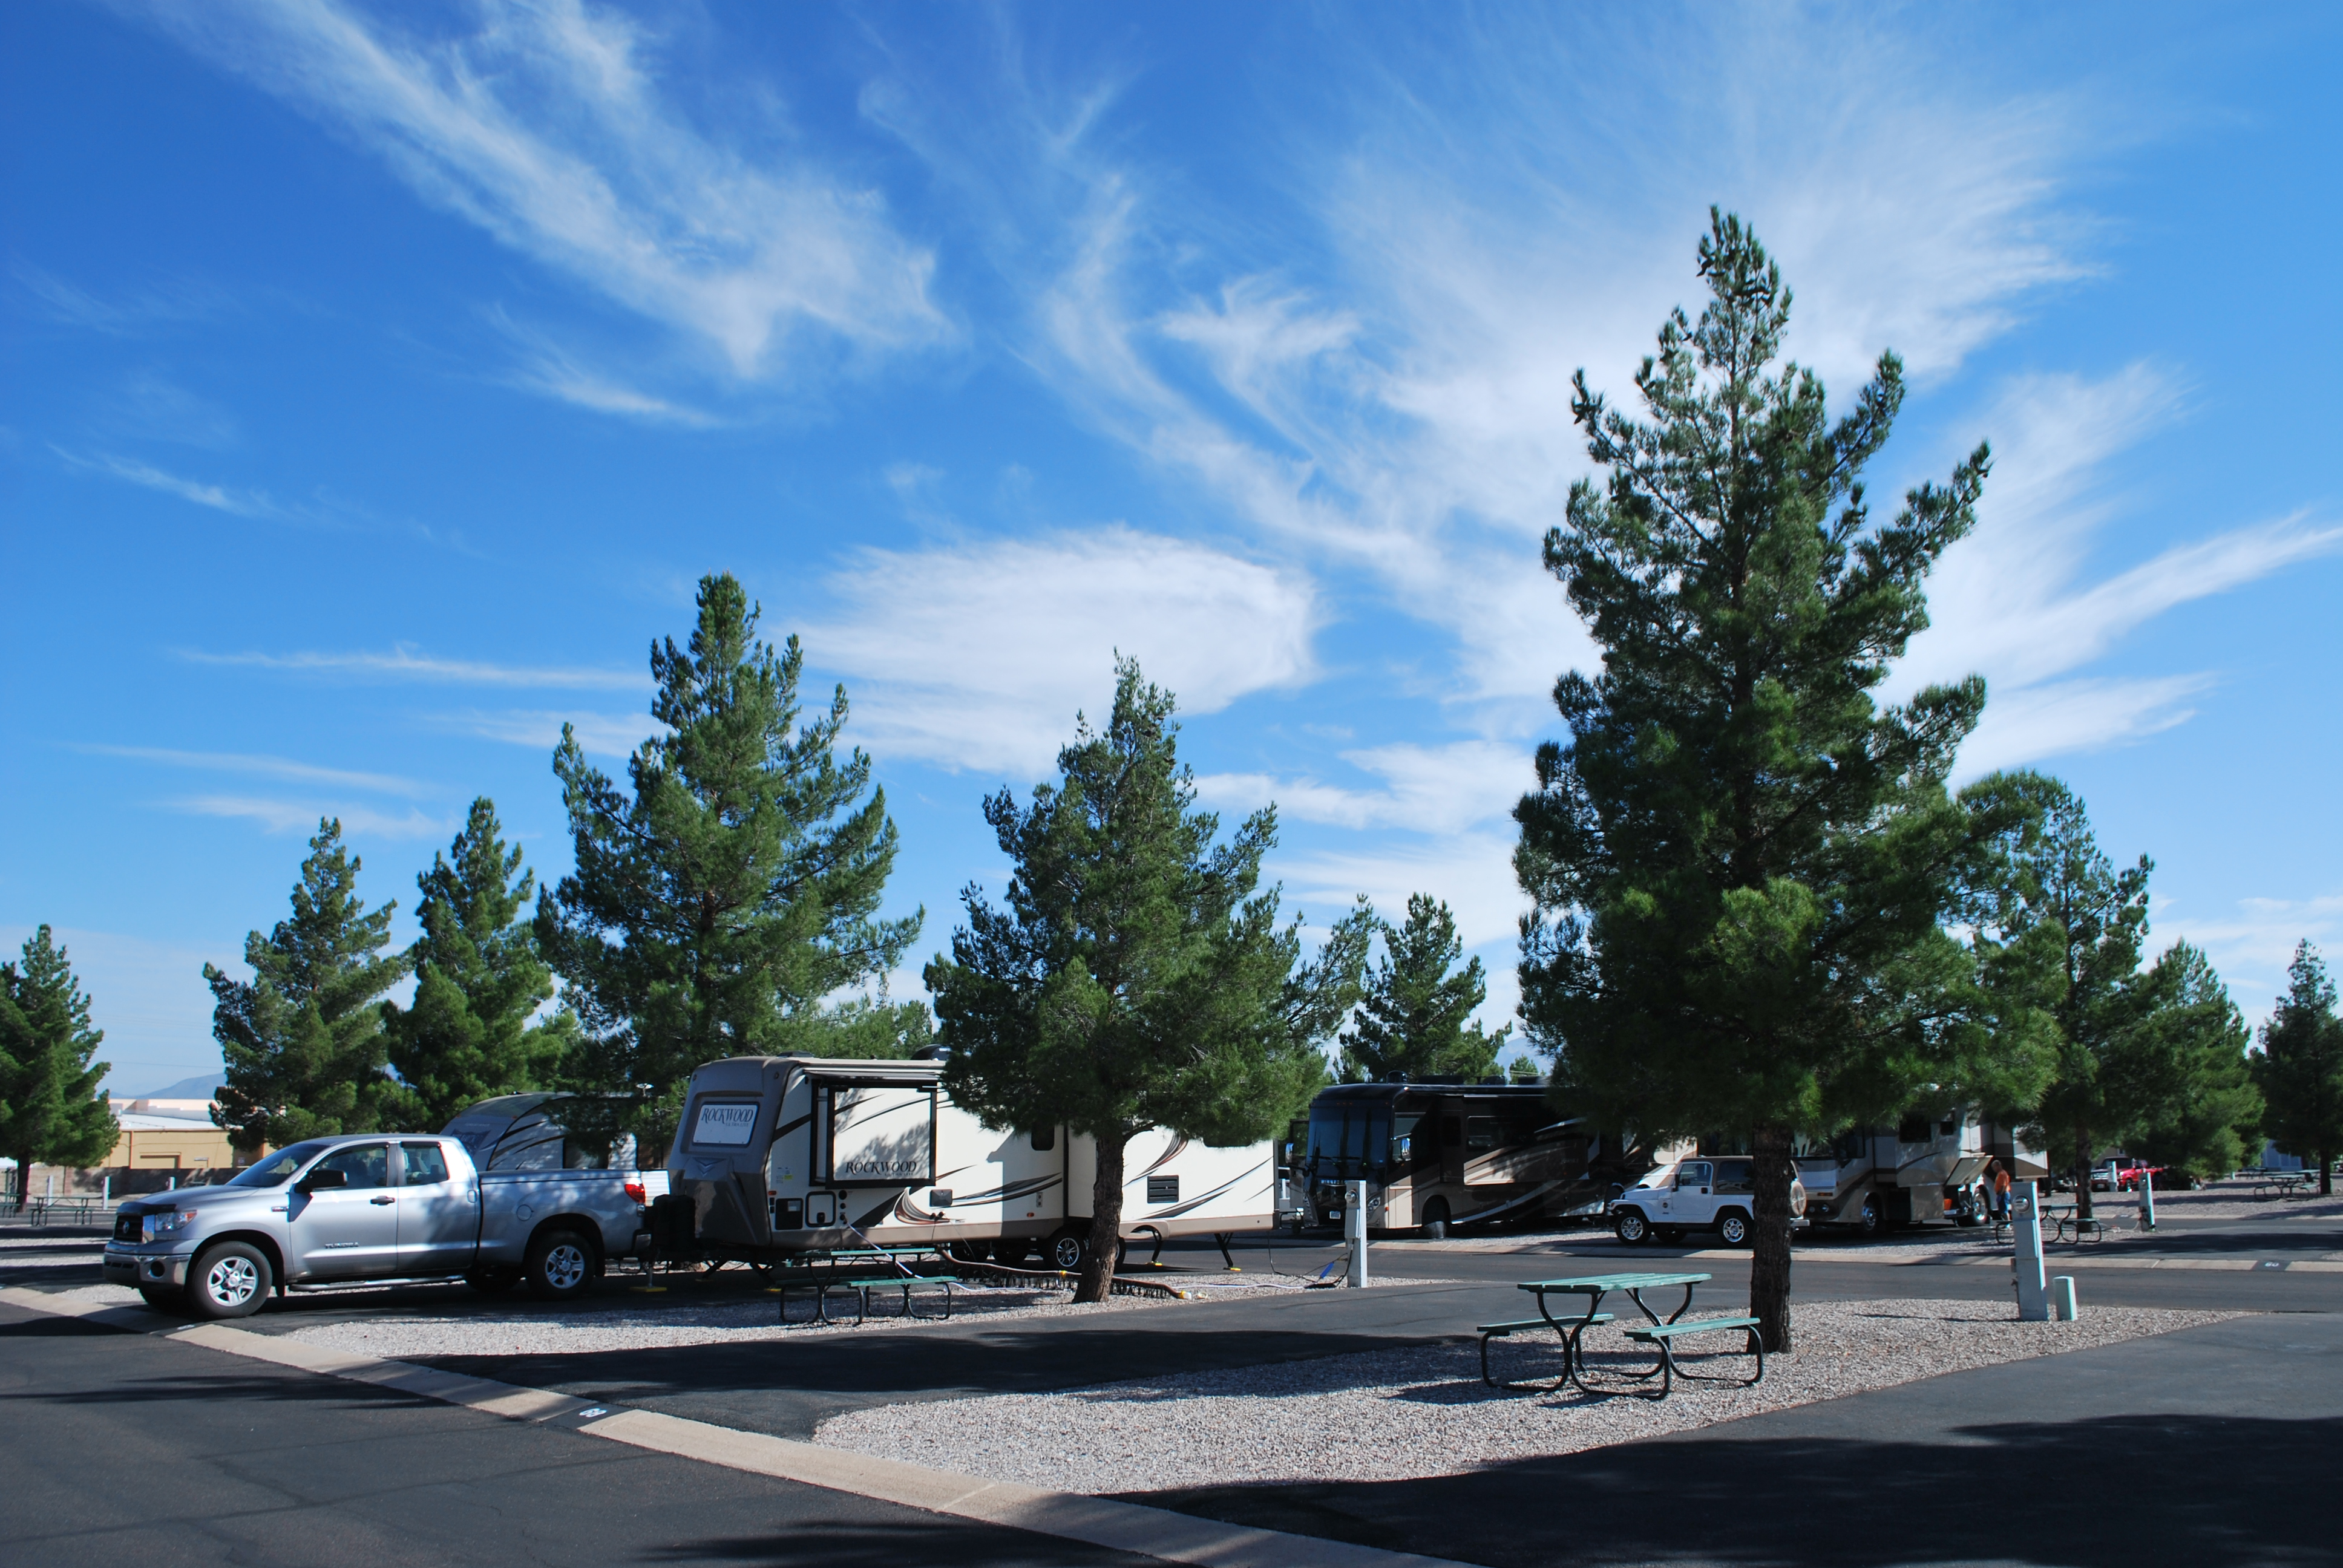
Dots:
pixel 548 126
pixel 1436 789
pixel 303 816
pixel 2016 602
pixel 263 767
pixel 604 734
pixel 979 654
pixel 405 662
pixel 127 313
pixel 236 502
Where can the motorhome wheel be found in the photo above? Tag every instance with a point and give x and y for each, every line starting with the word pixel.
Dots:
pixel 1436 1219
pixel 1733 1228
pixel 1631 1226
pixel 1870 1221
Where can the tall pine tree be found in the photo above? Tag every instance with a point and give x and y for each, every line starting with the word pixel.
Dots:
pixel 1740 863
pixel 2300 1067
pixel 1138 976
pixel 303 1040
pixel 716 907
pixel 2196 1085
pixel 468 1034
pixel 1412 1022
pixel 52 1111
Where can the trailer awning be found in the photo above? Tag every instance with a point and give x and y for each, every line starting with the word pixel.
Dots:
pixel 847 1074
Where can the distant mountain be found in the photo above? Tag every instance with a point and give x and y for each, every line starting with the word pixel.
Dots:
pixel 202 1088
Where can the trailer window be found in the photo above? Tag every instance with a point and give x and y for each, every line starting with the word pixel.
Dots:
pixel 724 1124
pixel 1043 1138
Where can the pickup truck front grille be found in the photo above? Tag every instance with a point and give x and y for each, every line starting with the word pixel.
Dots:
pixel 128 1227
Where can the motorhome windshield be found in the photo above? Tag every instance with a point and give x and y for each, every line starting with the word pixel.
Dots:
pixel 1350 1140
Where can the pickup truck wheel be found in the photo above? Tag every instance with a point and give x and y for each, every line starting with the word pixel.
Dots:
pixel 229 1281
pixel 1631 1227
pixel 163 1298
pixel 1733 1228
pixel 492 1282
pixel 560 1266
pixel 1435 1220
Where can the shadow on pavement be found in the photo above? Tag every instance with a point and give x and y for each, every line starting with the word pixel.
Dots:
pixel 2179 1490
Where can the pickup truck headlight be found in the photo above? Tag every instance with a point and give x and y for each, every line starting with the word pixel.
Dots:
pixel 161 1225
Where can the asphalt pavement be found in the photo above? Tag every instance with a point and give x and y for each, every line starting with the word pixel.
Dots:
pixel 125 1448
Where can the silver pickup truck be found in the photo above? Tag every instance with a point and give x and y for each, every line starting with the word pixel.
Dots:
pixel 374 1206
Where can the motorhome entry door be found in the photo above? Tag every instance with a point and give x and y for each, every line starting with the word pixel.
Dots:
pixel 875 1135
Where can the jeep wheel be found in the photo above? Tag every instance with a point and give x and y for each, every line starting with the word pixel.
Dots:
pixel 1631 1227
pixel 1435 1220
pixel 560 1266
pixel 1733 1228
pixel 229 1281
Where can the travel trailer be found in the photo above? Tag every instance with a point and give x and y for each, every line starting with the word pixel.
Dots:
pixel 1436 1155
pixel 778 1155
pixel 1925 1170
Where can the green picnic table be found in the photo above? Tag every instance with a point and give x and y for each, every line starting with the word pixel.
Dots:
pixel 1656 1331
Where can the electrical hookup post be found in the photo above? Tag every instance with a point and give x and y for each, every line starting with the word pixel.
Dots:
pixel 1355 1228
pixel 2147 1199
pixel 2026 1227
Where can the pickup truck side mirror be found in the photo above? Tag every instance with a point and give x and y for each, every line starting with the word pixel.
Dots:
pixel 316 1180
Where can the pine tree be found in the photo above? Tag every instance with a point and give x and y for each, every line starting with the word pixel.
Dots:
pixel 2300 1067
pixel 303 1040
pixel 2058 882
pixel 1137 976
pixel 1412 1022
pixel 2188 1053
pixel 1740 864
pixel 52 1111
pixel 712 911
pixel 466 1034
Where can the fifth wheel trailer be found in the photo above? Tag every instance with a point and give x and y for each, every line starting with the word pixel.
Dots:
pixel 786 1154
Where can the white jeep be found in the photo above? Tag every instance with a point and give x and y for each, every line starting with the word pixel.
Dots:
pixel 1696 1195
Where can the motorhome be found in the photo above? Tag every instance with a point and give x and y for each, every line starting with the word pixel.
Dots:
pixel 1436 1155
pixel 778 1155
pixel 1924 1170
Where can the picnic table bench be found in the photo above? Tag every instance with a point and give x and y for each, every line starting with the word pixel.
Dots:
pixel 822 1282
pixel 2064 1220
pixel 2284 1183
pixel 1659 1333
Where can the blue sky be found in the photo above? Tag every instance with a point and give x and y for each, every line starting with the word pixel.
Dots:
pixel 379 380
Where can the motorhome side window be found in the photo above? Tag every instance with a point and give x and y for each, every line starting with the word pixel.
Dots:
pixel 1912 1129
pixel 1480 1132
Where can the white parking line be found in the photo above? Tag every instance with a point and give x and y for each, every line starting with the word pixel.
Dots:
pixel 1131 1527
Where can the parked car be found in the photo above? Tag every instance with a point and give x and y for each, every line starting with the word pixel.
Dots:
pixel 1696 1195
pixel 373 1206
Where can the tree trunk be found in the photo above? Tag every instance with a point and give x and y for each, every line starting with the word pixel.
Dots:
pixel 2325 1172
pixel 2083 1173
pixel 1771 1172
pixel 1106 1221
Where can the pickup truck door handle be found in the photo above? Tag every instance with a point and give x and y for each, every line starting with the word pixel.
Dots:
pixel 383 1200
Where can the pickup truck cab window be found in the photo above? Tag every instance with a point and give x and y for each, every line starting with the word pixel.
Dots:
pixel 425 1163
pixel 365 1165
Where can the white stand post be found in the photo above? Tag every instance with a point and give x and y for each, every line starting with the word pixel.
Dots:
pixel 2026 1222
pixel 1355 1228
pixel 2147 1200
pixel 2062 1298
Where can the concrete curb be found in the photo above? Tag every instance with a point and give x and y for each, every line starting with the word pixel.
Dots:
pixel 1095 1521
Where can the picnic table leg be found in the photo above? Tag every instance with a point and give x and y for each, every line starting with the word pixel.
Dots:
pixel 1571 1363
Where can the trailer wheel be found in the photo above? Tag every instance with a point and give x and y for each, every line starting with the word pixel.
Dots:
pixel 1631 1227
pixel 560 1266
pixel 1733 1228
pixel 1435 1220
pixel 1066 1249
